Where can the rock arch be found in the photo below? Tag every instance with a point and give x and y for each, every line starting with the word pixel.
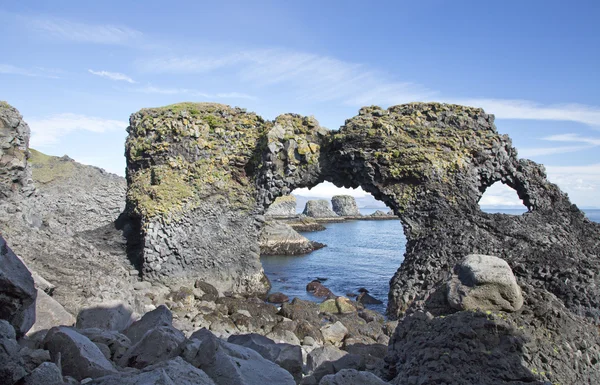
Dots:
pixel 201 175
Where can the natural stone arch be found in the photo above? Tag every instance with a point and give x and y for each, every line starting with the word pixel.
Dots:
pixel 193 165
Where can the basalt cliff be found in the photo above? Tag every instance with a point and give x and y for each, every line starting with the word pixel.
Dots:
pixel 200 177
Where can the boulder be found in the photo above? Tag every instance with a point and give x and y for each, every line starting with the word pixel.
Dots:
pixel 318 209
pixel 345 206
pixel 49 313
pixel 17 291
pixel 283 206
pixel 161 316
pixel 348 361
pixel 231 364
pixel 12 367
pixel 367 299
pixel 328 306
pixel 288 356
pixel 47 373
pixel 344 305
pixel 317 289
pixel 334 333
pixel 210 292
pixel 113 315
pixel 79 356
pixel 172 372
pixel 159 344
pixel 352 377
pixel 277 297
pixel 484 282
pixel 284 337
pixel 323 354
pixel 278 238
pixel 117 343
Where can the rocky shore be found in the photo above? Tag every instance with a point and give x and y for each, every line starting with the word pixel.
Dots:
pixel 157 279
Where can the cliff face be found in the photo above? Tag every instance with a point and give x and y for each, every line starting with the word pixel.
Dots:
pixel 15 175
pixel 318 208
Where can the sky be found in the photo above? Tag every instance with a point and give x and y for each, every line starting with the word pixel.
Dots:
pixel 76 70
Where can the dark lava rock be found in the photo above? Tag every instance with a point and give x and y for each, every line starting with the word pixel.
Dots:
pixel 367 299
pixel 277 297
pixel 317 289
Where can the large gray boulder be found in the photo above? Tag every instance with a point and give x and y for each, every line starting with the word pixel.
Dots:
pixel 484 282
pixel 283 206
pixel 278 238
pixel 80 357
pixel 45 374
pixel 351 377
pixel 318 208
pixel 117 343
pixel 111 315
pixel 12 367
pixel 17 291
pixel 344 205
pixel 172 372
pixel 161 316
pixel 159 344
pixel 231 364
pixel 323 354
pixel 49 313
pixel 288 356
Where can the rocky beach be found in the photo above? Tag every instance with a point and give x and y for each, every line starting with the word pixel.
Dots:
pixel 156 278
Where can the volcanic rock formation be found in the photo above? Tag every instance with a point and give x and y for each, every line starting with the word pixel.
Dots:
pixel 284 206
pixel 344 206
pixel 318 208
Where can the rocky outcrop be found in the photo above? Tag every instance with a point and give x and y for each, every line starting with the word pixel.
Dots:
pixel 15 175
pixel 344 206
pixel 484 282
pixel 318 208
pixel 284 206
pixel 277 238
pixel 17 291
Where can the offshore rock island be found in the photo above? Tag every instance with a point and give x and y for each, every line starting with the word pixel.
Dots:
pixel 480 298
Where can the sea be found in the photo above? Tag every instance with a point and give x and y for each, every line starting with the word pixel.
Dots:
pixel 359 254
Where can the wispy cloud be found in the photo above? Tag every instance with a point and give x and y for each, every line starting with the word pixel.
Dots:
pixel 311 77
pixel 112 75
pixel 524 109
pixel 328 189
pixel 8 69
pixel 582 183
pixel 48 131
pixel 149 89
pixel 82 32
pixel 585 143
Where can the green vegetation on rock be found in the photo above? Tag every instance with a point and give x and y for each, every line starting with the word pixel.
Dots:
pixel 47 168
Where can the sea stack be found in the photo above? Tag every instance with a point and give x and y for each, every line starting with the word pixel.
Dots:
pixel 284 206
pixel 318 208
pixel 345 206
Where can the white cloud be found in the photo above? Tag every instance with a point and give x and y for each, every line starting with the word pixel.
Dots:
pixel 525 109
pixel 582 183
pixel 9 69
pixel 573 138
pixel 500 195
pixel 190 92
pixel 112 76
pixel 313 77
pixel 47 131
pixel 81 32
pixel 328 189
pixel 539 151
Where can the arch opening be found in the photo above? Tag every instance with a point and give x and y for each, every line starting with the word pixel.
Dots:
pixel 500 198
pixel 362 251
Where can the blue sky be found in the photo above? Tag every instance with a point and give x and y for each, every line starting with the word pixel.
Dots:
pixel 76 70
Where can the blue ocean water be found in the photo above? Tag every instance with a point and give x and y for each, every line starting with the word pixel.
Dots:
pixel 358 254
